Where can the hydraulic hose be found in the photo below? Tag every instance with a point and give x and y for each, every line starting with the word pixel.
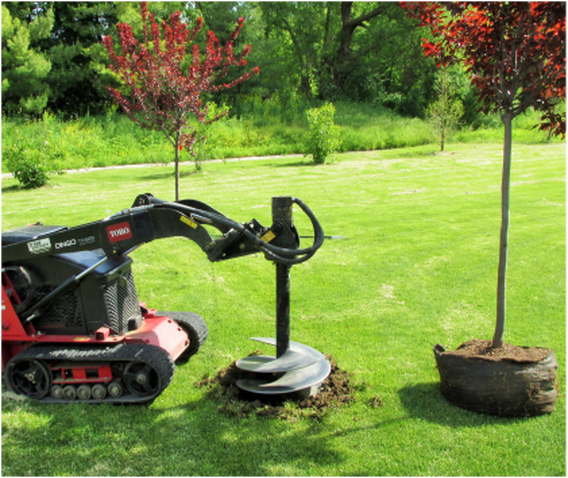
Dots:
pixel 280 255
pixel 291 256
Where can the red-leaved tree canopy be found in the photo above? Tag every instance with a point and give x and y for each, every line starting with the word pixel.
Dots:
pixel 162 94
pixel 515 54
pixel 514 51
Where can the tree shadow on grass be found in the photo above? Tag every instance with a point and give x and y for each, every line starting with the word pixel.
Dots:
pixel 295 164
pixel 169 174
pixel 401 153
pixel 12 188
pixel 424 401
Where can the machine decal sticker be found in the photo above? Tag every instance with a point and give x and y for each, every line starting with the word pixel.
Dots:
pixel 73 242
pixel 69 243
pixel 268 236
pixel 86 240
pixel 119 232
pixel 188 221
pixel 40 246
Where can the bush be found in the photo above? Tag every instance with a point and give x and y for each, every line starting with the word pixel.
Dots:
pixel 31 166
pixel 322 141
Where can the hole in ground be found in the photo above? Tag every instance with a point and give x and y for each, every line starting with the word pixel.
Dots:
pixel 337 390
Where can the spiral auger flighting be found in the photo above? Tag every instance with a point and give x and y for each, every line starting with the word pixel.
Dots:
pixel 301 369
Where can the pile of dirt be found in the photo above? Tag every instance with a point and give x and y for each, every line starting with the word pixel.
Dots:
pixel 337 390
pixel 484 349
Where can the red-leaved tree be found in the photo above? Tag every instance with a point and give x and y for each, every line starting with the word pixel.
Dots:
pixel 163 95
pixel 515 54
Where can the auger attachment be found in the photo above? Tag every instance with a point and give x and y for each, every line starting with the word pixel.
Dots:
pixel 296 368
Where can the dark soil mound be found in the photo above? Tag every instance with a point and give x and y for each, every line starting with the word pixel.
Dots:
pixel 337 390
pixel 483 349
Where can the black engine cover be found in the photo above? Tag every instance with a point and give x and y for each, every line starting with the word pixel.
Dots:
pixel 104 297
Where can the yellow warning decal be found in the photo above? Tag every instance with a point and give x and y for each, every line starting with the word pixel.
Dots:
pixel 81 339
pixel 268 236
pixel 188 221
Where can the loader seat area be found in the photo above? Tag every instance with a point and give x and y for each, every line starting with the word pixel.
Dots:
pixel 28 233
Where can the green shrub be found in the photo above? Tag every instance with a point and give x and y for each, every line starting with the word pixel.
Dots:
pixel 31 166
pixel 322 140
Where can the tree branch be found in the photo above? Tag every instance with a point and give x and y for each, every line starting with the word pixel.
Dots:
pixel 356 22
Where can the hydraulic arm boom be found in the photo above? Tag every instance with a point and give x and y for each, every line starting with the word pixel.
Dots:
pixel 150 218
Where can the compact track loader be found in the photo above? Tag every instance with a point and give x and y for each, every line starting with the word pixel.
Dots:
pixel 73 328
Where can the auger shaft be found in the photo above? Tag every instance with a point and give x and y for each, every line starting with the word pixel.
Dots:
pixel 282 217
pixel 282 309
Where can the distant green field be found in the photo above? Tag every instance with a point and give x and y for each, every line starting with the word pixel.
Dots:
pixel 418 266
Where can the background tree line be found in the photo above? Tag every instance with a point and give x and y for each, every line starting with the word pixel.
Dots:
pixel 53 59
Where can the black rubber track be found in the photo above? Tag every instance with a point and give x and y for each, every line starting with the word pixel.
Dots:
pixel 196 329
pixel 156 357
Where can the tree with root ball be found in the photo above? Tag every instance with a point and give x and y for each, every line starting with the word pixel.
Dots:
pixel 515 54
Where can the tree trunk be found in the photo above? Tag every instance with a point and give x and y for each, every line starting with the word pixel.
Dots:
pixel 177 169
pixel 343 55
pixel 302 57
pixel 503 240
pixel 347 30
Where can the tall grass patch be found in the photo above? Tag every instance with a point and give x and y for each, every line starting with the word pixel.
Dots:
pixel 367 128
pixel 263 127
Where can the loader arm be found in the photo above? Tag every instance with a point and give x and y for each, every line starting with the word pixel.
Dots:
pixel 149 219
pixel 115 235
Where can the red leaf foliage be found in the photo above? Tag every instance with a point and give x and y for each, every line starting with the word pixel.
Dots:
pixel 163 96
pixel 515 52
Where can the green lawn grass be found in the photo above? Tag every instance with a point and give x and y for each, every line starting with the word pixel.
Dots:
pixel 418 266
